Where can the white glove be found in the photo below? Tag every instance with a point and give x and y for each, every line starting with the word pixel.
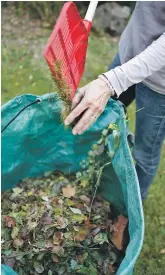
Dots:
pixel 93 98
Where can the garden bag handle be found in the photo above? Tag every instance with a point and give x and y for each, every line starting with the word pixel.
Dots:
pixel 90 14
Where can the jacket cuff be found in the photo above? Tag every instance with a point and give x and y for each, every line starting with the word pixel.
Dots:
pixel 112 78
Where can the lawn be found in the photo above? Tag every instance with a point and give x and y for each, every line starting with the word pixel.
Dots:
pixel 25 71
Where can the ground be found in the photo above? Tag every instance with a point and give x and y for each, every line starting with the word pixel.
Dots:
pixel 25 71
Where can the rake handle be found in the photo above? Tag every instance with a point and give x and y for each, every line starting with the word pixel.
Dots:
pixel 91 11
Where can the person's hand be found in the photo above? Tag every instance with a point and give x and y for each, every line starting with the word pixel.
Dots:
pixel 91 99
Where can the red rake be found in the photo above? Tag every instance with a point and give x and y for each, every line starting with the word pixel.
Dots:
pixel 66 49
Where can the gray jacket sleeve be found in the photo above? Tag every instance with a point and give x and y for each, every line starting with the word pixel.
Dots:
pixel 151 60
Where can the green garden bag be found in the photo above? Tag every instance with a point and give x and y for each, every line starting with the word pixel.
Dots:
pixel 35 141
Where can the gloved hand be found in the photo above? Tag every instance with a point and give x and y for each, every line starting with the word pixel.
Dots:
pixel 92 99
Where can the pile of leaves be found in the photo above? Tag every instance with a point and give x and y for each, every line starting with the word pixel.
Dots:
pixel 59 224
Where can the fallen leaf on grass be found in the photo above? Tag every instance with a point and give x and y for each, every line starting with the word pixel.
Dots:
pixel 162 251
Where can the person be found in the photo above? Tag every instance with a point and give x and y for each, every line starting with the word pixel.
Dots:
pixel 139 66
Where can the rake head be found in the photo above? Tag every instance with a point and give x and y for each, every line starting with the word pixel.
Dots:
pixel 66 49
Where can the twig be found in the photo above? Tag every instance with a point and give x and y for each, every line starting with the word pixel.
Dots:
pixel 97 185
pixel 92 266
pixel 134 113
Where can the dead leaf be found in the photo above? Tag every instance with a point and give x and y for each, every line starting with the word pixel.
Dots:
pixel 68 235
pixel 45 198
pixel 17 190
pixel 118 233
pixel 81 235
pixel 76 228
pixel 14 232
pixel 58 250
pixel 100 238
pixel 38 267
pixel 162 251
pixel 57 238
pixel 95 231
pixel 111 269
pixel 10 222
pixel 62 222
pixel 75 210
pixel 99 262
pixel 85 199
pixel 18 243
pixel 46 219
pixel 80 259
pixel 55 258
pixel 32 225
pixel 69 191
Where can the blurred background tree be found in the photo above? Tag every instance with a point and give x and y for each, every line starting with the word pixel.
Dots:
pixel 47 11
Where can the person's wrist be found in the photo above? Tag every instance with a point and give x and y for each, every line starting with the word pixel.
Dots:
pixel 107 83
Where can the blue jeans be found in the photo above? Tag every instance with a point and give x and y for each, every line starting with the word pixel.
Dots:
pixel 149 133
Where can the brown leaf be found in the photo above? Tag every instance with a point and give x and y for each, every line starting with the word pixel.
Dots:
pixel 85 199
pixel 58 250
pixel 117 234
pixel 46 220
pixel 81 234
pixel 55 258
pixel 49 244
pixel 62 222
pixel 111 269
pixel 57 238
pixel 18 243
pixel 10 222
pixel 162 251
pixel 59 235
pixel 68 191
pixel 80 259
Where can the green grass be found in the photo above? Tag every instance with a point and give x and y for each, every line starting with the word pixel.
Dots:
pixel 19 75
pixel 23 73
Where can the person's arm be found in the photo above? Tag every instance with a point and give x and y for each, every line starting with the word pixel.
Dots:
pixel 94 96
pixel 152 59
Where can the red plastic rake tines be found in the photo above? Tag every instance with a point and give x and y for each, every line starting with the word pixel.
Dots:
pixel 67 46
